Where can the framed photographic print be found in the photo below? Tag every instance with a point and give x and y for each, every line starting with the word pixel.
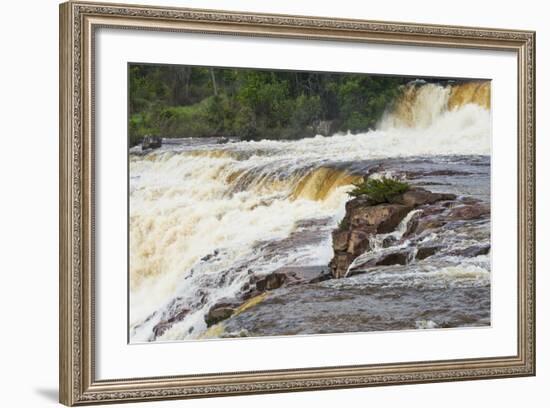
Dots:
pixel 256 203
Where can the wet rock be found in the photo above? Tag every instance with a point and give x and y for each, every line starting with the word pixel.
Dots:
pixel 364 219
pixel 321 278
pixel 340 240
pixel 340 263
pixel 356 271
pixel 425 252
pixel 429 224
pixel 161 327
pixel 411 226
pixel 469 212
pixel 358 242
pixel 432 173
pixel 296 275
pixel 208 257
pixel 389 241
pixel 468 200
pixel 395 258
pixel 270 282
pixel 418 196
pixel 250 293
pixel 219 312
pixel 435 209
pixel 473 251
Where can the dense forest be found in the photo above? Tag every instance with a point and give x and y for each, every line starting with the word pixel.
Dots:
pixel 184 101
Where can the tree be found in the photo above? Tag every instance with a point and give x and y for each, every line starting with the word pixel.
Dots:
pixel 182 101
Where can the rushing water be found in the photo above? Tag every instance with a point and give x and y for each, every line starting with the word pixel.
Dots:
pixel 205 216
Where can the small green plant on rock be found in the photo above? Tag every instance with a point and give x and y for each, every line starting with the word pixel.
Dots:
pixel 344 223
pixel 379 190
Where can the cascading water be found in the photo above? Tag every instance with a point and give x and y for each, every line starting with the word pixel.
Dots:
pixel 205 216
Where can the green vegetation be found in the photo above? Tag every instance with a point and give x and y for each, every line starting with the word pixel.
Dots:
pixel 183 101
pixel 379 190
pixel 343 224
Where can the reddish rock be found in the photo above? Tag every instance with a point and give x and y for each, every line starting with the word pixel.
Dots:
pixel 384 217
pixel 340 263
pixel 358 242
pixel 340 240
pixel 364 219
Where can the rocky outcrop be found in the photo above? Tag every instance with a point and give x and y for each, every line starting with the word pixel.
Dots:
pixel 363 220
pixel 220 311
pixel 258 286
pixel 271 282
pixel 394 258
pixel 426 252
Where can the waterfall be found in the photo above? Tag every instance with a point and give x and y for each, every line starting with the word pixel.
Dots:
pixel 421 104
pixel 201 214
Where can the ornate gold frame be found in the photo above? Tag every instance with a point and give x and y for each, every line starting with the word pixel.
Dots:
pixel 78 21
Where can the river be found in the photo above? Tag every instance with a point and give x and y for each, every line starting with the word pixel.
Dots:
pixel 204 216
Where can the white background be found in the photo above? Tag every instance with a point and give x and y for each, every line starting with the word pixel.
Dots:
pixel 28 220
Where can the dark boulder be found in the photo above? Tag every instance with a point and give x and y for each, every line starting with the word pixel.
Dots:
pixel 395 258
pixel 270 282
pixel 218 313
pixel 473 251
pixel 161 327
pixel 426 252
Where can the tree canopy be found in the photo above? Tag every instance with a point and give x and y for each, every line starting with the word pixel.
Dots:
pixel 185 101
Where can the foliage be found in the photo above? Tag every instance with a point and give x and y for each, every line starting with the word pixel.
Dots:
pixel 184 101
pixel 363 99
pixel 343 224
pixel 379 190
